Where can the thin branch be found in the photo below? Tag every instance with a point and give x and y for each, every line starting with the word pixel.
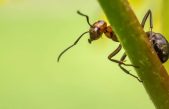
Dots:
pixel 138 48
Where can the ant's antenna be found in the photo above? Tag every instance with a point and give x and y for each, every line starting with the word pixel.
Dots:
pixel 87 17
pixel 71 45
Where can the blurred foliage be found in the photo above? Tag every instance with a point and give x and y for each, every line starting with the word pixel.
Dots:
pixel 165 23
pixel 34 32
pixel 2 2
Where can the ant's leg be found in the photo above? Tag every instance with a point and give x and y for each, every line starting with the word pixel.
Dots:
pixel 122 60
pixel 114 53
pixel 126 71
pixel 145 18
pixel 117 61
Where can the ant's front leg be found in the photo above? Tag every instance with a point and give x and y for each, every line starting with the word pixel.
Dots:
pixel 121 62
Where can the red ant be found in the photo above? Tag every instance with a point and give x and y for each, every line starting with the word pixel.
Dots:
pixel 96 30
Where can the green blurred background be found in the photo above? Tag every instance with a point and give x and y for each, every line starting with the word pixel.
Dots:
pixel 34 32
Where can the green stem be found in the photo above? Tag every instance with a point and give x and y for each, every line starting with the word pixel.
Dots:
pixel 138 48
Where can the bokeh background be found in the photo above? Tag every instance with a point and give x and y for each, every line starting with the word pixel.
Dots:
pixel 34 32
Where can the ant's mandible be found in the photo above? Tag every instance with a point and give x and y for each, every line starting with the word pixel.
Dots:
pixel 158 41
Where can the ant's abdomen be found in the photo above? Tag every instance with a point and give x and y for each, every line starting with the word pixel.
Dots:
pixel 160 45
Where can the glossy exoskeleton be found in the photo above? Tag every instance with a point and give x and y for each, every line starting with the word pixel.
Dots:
pixel 158 41
pixel 160 45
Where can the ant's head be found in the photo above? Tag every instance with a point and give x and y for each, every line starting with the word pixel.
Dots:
pixel 96 30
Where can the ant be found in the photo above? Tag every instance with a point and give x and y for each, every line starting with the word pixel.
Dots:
pixel 158 41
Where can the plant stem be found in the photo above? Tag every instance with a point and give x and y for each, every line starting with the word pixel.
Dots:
pixel 137 46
